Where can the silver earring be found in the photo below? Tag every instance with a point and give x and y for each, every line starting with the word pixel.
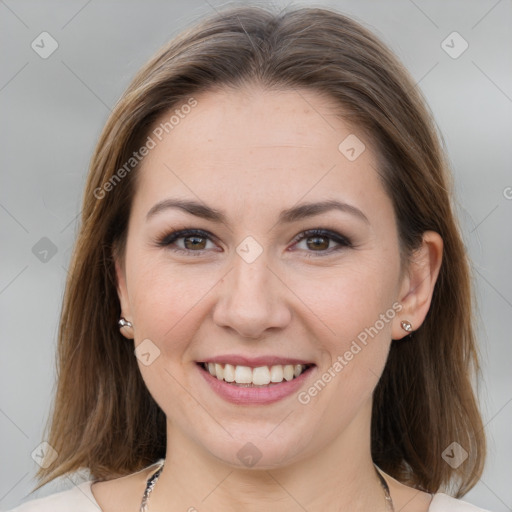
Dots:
pixel 406 326
pixel 124 323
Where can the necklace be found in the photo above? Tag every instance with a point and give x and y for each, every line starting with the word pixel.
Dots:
pixel 154 477
pixel 149 486
pixel 389 501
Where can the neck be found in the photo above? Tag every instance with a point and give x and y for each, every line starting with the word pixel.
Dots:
pixel 340 476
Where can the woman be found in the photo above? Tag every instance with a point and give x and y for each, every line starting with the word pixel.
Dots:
pixel 267 216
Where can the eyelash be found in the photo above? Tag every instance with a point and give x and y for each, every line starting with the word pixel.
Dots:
pixel 171 237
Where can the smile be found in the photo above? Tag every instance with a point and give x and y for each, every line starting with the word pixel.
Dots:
pixel 254 385
pixel 246 376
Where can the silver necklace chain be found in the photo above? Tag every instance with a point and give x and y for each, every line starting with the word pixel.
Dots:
pixel 149 486
pixel 387 494
pixel 154 477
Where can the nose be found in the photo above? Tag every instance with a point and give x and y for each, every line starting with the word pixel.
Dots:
pixel 253 299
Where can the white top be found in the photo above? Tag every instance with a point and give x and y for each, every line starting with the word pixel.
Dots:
pixel 81 499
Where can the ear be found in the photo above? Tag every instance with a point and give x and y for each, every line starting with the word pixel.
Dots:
pixel 122 293
pixel 418 283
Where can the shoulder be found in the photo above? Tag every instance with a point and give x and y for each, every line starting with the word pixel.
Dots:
pixel 77 499
pixel 444 503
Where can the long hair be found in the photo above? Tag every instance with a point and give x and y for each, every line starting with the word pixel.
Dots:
pixel 103 417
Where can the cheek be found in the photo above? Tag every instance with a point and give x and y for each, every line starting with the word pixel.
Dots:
pixel 349 298
pixel 166 300
pixel 354 310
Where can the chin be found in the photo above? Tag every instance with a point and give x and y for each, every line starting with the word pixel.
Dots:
pixel 252 450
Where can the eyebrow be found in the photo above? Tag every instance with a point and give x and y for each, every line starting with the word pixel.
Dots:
pixel 293 214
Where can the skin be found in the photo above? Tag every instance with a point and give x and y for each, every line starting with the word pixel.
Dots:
pixel 252 153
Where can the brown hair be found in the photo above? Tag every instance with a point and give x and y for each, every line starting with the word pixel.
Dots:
pixel 104 418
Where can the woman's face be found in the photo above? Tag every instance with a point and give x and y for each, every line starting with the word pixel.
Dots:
pixel 248 290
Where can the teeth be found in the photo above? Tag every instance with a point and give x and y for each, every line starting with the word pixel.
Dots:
pixel 229 373
pixel 260 376
pixel 219 371
pixel 243 375
pixel 276 373
pixel 288 372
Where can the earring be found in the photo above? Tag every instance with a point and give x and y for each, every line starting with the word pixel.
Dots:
pixel 124 323
pixel 406 326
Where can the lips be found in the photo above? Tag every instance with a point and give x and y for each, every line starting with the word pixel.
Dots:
pixel 254 380
pixel 250 394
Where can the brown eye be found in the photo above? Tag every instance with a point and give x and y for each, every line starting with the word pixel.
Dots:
pixel 194 242
pixel 318 242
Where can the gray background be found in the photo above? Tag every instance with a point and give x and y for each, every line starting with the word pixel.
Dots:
pixel 53 110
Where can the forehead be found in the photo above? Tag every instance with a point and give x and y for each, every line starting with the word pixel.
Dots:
pixel 255 147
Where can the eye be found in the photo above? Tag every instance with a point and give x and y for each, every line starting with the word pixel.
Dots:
pixel 194 240
pixel 320 239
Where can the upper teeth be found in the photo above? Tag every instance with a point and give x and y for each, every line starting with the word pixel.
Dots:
pixel 258 376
